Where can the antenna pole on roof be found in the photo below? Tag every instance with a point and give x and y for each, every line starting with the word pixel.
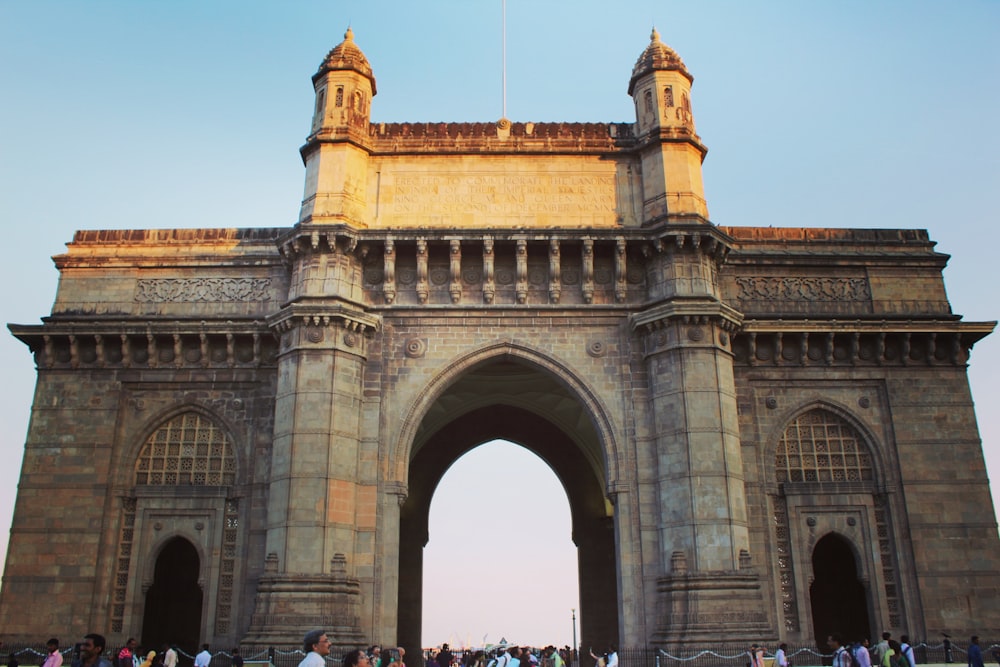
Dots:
pixel 503 68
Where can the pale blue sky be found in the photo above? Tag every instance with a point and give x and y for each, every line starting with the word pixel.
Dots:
pixel 847 113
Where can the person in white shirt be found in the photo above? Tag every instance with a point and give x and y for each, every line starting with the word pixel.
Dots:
pixel 907 650
pixel 503 658
pixel 204 658
pixel 780 656
pixel 612 656
pixel 862 654
pixel 316 646
pixel 841 658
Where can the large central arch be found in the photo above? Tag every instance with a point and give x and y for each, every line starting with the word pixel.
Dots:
pixel 514 400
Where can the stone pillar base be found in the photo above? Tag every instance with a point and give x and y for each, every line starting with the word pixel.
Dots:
pixel 290 605
pixel 702 608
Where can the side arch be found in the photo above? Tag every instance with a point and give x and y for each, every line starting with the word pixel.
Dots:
pixel 148 570
pixel 174 597
pixel 825 510
pixel 179 484
pixel 837 593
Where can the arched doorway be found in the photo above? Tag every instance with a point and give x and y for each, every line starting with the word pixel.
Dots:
pixel 516 402
pixel 173 602
pixel 500 532
pixel 839 599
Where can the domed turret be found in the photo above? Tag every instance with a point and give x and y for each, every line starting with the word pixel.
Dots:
pixel 336 150
pixel 344 87
pixel 660 87
pixel 657 56
pixel 346 56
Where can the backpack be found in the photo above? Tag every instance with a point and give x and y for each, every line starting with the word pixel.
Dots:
pixel 846 659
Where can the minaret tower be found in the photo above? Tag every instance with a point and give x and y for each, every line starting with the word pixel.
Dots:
pixel 336 154
pixel 684 333
pixel 319 491
pixel 671 152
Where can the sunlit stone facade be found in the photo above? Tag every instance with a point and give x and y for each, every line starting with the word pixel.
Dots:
pixel 762 433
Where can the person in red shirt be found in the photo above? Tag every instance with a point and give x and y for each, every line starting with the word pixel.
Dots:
pixel 125 655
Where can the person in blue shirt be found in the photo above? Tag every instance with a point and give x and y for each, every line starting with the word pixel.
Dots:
pixel 975 653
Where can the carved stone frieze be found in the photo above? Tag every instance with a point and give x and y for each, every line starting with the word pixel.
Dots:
pixel 166 290
pixel 803 289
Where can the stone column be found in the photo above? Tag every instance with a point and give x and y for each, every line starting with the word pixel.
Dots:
pixel 702 521
pixel 388 563
pixel 318 501
pixel 321 502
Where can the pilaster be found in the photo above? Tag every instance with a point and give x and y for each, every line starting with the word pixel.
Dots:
pixel 318 502
pixel 686 338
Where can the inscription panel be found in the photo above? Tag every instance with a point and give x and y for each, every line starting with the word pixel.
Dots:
pixel 497 197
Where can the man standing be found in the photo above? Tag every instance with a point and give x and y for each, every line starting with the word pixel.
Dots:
pixel 125 655
pixel 881 649
pixel 907 650
pixel 445 657
pixel 975 653
pixel 169 656
pixel 204 658
pixel 91 649
pixel 862 657
pixel 841 658
pixel 781 656
pixel 503 657
pixel 55 657
pixel 316 646
pixel 612 656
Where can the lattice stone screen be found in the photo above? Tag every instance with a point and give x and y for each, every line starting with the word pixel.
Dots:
pixel 820 446
pixel 190 449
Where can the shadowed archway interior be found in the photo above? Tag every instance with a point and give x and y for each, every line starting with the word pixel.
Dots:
pixel 839 600
pixel 515 402
pixel 173 602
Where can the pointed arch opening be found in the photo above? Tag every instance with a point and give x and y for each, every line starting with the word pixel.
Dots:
pixel 838 596
pixel 511 543
pixel 173 605
pixel 825 466
pixel 514 400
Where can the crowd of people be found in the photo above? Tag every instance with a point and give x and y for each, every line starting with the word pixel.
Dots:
pixel 316 646
pixel 92 651
pixel 886 653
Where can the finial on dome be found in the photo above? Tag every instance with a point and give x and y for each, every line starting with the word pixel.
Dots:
pixel 349 35
pixel 654 36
